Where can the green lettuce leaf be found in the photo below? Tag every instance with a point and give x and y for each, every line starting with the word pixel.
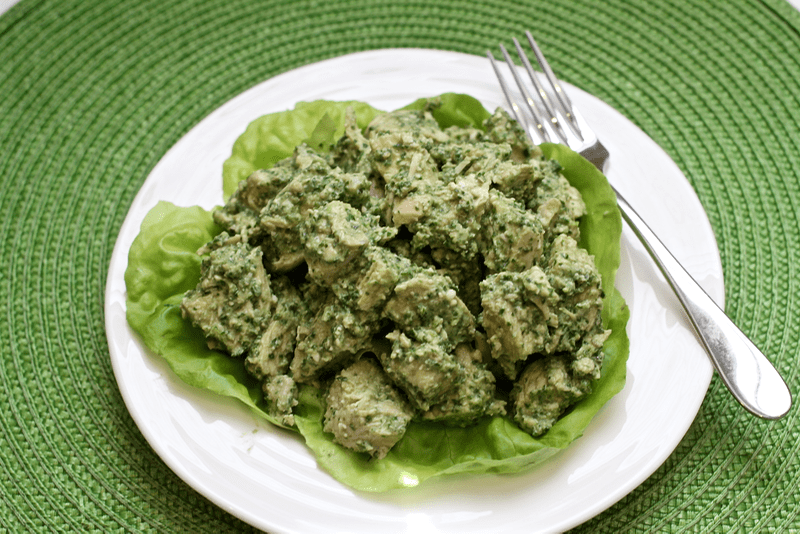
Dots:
pixel 455 110
pixel 163 265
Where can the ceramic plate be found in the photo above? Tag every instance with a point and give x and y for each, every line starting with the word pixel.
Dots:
pixel 267 477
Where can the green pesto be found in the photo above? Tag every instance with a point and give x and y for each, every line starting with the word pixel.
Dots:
pixel 407 272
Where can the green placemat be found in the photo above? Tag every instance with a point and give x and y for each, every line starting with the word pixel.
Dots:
pixel 93 93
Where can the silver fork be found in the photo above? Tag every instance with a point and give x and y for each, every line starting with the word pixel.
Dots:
pixel 550 116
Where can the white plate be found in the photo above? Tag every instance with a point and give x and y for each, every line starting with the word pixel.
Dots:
pixel 268 478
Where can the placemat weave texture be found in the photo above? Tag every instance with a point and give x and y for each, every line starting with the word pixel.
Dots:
pixel 94 92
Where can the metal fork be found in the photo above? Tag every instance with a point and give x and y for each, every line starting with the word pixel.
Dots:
pixel 548 115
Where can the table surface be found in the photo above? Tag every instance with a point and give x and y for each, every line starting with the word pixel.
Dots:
pixel 94 92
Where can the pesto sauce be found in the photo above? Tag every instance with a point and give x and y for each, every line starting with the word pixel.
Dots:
pixel 407 273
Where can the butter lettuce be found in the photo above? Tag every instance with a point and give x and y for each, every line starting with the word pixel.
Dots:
pixel 162 265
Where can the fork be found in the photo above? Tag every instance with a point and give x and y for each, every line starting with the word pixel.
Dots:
pixel 548 115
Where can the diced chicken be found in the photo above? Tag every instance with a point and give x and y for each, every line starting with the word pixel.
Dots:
pixel 233 299
pixel 336 234
pixel 517 316
pixel 544 390
pixel 336 334
pixel 364 411
pixel 421 364
pixel 513 237
pixel 472 397
pixel 428 297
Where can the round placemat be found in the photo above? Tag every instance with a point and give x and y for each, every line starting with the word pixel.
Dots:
pixel 94 92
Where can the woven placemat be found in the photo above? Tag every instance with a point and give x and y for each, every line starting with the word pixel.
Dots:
pixel 94 92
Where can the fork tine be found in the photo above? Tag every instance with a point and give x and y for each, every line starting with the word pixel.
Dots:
pixel 536 130
pixel 506 91
pixel 544 98
pixel 533 109
pixel 564 103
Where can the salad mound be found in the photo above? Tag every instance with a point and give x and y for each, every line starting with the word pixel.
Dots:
pixel 418 293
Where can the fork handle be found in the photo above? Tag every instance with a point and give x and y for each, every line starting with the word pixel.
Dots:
pixel 747 373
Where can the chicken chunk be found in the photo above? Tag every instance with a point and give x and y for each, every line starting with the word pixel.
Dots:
pixel 517 316
pixel 280 394
pixel 421 364
pixel 240 215
pixel 335 335
pixel 233 300
pixel 272 352
pixel 364 411
pixel 473 395
pixel 429 296
pixel 545 389
pixel 334 235
pixel 512 238
pixel 576 284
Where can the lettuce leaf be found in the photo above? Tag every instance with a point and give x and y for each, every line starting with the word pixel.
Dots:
pixel 162 265
pixel 455 110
